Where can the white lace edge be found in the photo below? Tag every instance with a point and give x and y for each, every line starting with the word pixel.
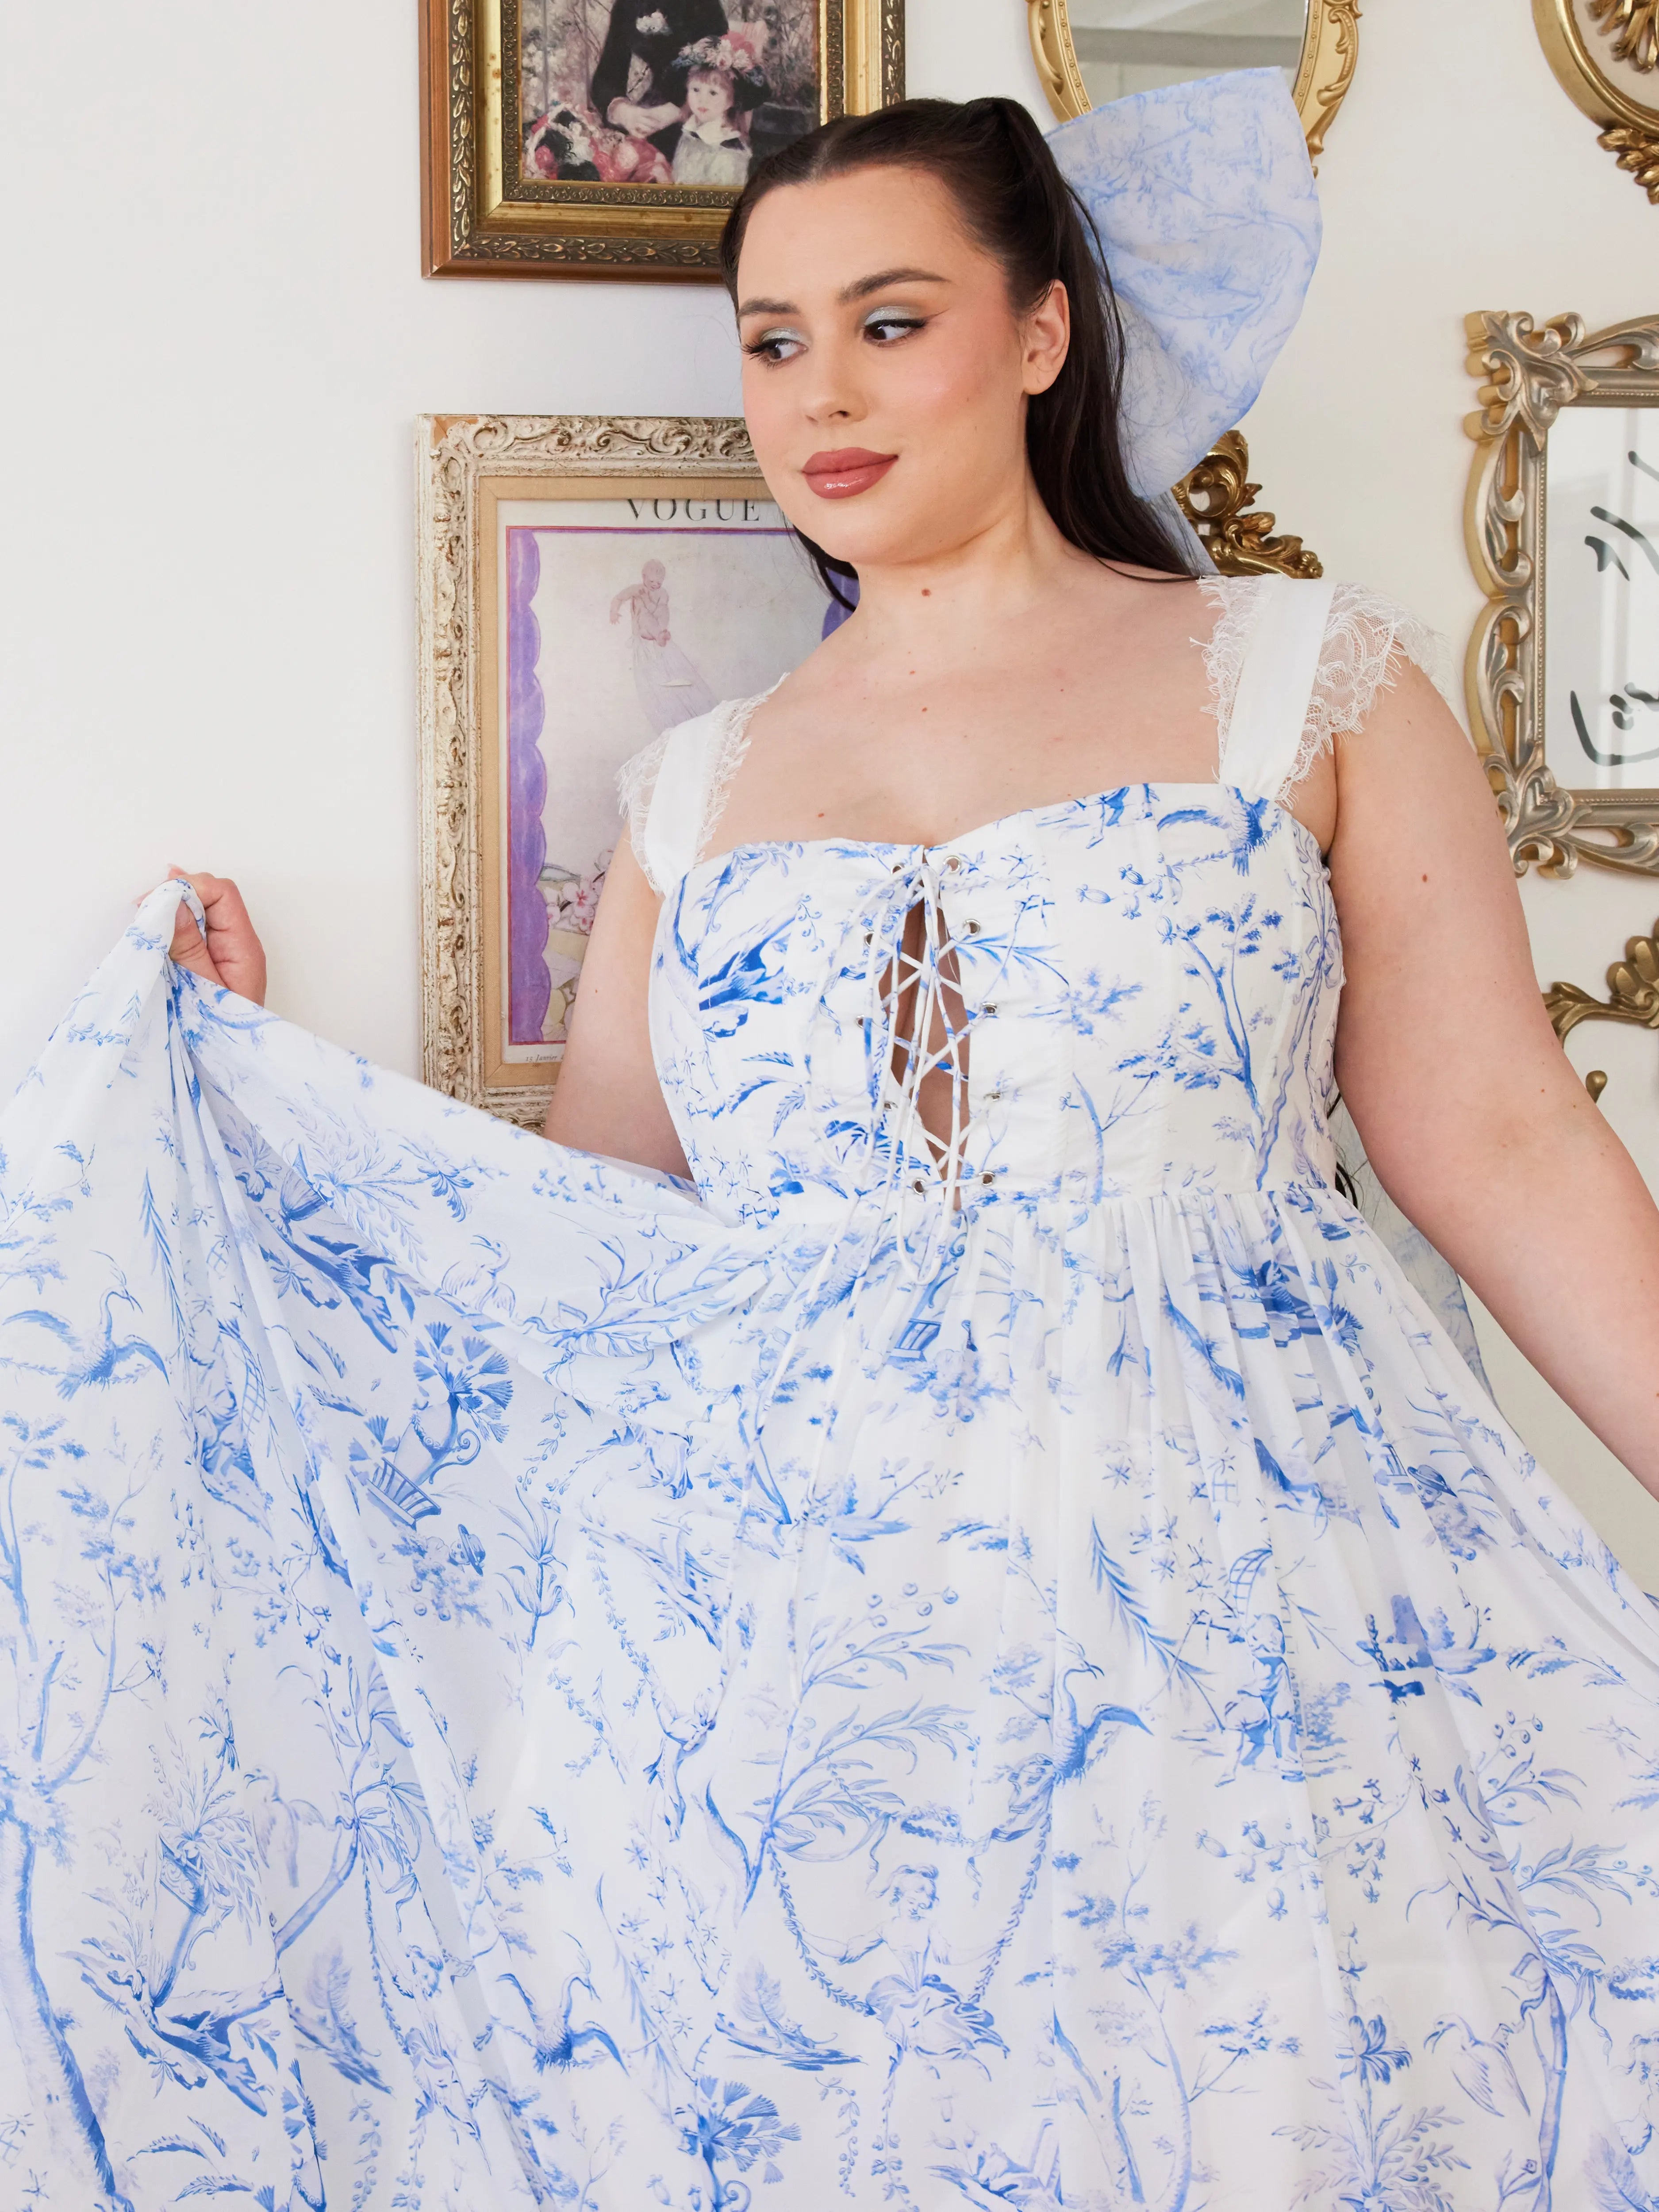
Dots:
pixel 636 780
pixel 1366 637
pixel 1233 599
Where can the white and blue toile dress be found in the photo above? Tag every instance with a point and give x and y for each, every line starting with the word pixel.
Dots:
pixel 1036 1680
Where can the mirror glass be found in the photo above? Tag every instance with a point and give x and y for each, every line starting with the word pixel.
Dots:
pixel 1135 46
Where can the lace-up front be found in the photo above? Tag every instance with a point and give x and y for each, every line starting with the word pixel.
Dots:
pixel 924 1023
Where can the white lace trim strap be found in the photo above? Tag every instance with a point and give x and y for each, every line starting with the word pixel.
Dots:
pixel 1294 665
pixel 1278 674
pixel 674 792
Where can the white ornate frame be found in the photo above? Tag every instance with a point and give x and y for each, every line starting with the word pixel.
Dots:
pixel 1330 49
pixel 468 464
pixel 1527 375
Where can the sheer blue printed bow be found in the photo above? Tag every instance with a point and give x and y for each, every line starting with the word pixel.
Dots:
pixel 1205 200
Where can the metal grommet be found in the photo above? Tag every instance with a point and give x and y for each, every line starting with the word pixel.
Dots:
pixel 988 1009
pixel 955 860
pixel 990 1176
pixel 918 1184
pixel 973 929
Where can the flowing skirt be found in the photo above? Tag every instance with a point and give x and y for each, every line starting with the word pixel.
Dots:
pixel 522 1693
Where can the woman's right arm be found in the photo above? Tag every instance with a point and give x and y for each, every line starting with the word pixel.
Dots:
pixel 608 1098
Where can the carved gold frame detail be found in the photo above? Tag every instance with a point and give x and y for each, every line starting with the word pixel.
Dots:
pixel 1632 997
pixel 1330 49
pixel 1527 375
pixel 468 464
pixel 477 221
pixel 1216 500
pixel 1598 67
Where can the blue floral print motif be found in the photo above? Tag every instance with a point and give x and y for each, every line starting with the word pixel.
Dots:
pixel 526 1683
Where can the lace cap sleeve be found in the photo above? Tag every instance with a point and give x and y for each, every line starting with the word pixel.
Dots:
pixel 636 786
pixel 1366 639
pixel 1367 635
pixel 690 767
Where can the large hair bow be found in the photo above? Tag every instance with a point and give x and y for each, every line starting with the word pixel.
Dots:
pixel 1204 197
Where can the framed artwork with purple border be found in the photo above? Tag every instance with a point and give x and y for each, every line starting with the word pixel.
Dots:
pixel 586 583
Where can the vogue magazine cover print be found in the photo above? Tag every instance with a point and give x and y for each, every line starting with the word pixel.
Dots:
pixel 623 616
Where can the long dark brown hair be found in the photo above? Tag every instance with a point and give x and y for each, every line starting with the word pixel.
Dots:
pixel 1016 205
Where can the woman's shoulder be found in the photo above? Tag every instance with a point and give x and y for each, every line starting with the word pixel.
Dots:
pixel 1294 663
pixel 692 763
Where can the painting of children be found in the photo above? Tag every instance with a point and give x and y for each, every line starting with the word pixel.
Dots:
pixel 663 92
pixel 724 83
pixel 618 133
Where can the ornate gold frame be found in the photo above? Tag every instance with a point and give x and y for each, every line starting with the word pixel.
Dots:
pixel 477 221
pixel 1216 500
pixel 1330 49
pixel 468 464
pixel 1629 127
pixel 1632 997
pixel 1527 375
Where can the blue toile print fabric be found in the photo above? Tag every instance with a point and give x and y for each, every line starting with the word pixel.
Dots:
pixel 1037 1678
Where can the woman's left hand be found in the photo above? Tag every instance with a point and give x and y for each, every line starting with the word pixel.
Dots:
pixel 232 955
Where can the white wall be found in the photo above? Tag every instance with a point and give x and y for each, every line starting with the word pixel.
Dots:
pixel 217 340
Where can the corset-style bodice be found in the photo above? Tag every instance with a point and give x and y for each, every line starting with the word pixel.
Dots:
pixel 1149 977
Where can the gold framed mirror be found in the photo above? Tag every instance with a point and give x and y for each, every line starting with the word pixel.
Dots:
pixel 1562 525
pixel 1091 51
pixel 1605 54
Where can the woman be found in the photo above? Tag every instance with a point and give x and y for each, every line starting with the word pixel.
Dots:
pixel 669 688
pixel 1102 1711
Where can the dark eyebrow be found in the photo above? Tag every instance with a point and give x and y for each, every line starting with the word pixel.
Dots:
pixel 882 278
pixel 860 290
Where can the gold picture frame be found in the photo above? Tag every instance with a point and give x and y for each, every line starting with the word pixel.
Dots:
pixel 481 215
pixel 1605 54
pixel 1528 375
pixel 1330 51
pixel 483 479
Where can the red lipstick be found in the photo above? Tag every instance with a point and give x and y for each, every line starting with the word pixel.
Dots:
pixel 844 475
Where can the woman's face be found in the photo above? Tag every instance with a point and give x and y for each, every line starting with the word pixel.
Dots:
pixel 886 375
